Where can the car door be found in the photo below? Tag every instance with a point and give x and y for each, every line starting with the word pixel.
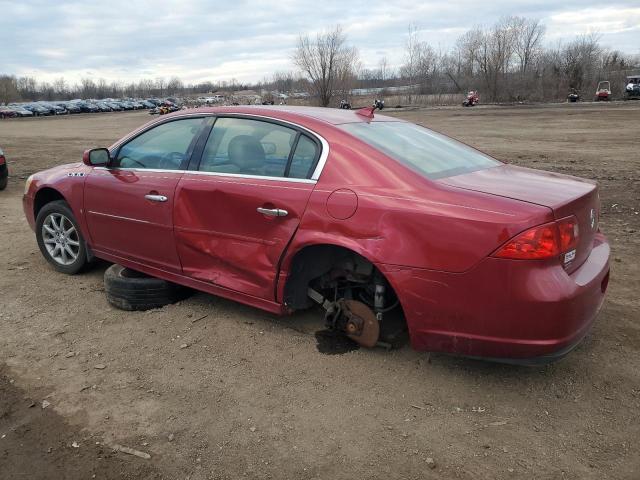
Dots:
pixel 237 210
pixel 129 204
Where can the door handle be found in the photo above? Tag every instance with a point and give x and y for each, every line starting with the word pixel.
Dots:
pixel 156 198
pixel 273 212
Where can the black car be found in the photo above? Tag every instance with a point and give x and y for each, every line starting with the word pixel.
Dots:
pixel 103 107
pixel 4 171
pixel 114 106
pixel 37 109
pixel 86 107
pixel 70 107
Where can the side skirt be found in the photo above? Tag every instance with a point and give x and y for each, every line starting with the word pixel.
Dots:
pixel 252 301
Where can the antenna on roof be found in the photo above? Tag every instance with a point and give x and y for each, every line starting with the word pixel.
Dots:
pixel 368 111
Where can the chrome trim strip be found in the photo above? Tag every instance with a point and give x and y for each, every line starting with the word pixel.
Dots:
pixel 215 174
pixel 324 154
pixel 131 169
pixel 251 177
pixel 119 217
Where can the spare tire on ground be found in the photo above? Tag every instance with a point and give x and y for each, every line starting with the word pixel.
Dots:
pixel 130 290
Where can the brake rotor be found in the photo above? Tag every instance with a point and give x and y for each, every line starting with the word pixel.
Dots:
pixel 362 325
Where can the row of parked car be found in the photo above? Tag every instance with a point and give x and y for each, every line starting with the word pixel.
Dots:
pixel 35 109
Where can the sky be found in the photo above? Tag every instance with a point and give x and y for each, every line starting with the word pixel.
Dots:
pixel 197 40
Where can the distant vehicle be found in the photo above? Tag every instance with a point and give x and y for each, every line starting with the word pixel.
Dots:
pixel 148 104
pixel 54 108
pixel 632 90
pixel 4 171
pixel 166 107
pixel 378 104
pixel 37 110
pixel 47 107
pixel 603 92
pixel 472 99
pixel 103 107
pixel 71 107
pixel 345 105
pixel 86 107
pixel 20 111
pixel 7 112
pixel 573 95
pixel 114 106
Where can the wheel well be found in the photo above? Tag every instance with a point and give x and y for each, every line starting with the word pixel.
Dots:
pixel 326 261
pixel 44 196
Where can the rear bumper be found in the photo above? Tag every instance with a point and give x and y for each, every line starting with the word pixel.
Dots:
pixel 516 311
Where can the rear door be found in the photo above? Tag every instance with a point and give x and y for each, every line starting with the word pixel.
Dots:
pixel 237 210
pixel 129 205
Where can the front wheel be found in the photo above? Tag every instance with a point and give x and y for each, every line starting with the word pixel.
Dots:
pixel 59 238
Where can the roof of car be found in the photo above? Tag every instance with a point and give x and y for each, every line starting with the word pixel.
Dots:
pixel 334 116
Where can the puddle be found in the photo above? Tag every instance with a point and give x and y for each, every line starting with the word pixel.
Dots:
pixel 334 343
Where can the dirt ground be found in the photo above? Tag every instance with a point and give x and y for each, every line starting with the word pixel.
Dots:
pixel 252 397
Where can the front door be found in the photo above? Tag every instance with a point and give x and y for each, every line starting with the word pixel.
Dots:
pixel 129 205
pixel 236 213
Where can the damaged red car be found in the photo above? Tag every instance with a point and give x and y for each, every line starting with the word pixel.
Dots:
pixel 370 216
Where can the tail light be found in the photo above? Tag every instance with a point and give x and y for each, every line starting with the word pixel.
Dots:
pixel 544 241
pixel 2 160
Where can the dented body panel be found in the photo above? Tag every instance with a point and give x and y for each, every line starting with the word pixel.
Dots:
pixel 223 239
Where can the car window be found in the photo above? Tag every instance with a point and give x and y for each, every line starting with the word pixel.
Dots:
pixel 430 153
pixel 304 158
pixel 248 147
pixel 163 147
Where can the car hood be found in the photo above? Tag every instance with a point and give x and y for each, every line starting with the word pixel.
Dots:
pixel 553 190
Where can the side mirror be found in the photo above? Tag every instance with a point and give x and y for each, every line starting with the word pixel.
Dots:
pixel 96 157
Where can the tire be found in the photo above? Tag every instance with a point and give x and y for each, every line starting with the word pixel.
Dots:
pixel 53 242
pixel 129 290
pixel 3 182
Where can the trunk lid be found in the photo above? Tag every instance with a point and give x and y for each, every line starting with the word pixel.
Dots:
pixel 563 194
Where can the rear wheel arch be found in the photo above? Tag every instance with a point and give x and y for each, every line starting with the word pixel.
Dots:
pixel 312 261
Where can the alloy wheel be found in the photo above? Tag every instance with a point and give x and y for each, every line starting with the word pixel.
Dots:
pixel 61 239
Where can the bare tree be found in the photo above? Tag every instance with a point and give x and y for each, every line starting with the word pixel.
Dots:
pixel 384 71
pixel 88 88
pixel 528 36
pixel 160 86
pixel 327 62
pixel 8 89
pixel 174 86
pixel 60 88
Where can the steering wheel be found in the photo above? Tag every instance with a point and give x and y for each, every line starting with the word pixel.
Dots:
pixel 171 160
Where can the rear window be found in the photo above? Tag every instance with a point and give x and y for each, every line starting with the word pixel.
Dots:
pixel 430 153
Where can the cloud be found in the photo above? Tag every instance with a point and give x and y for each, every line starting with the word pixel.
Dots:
pixel 249 39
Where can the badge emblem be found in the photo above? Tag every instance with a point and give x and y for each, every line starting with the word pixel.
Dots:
pixel 593 219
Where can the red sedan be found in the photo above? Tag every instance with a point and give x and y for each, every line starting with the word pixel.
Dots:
pixel 284 207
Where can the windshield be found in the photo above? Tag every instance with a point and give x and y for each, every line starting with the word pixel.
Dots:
pixel 430 153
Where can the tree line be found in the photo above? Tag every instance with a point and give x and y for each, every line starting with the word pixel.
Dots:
pixel 14 88
pixel 508 61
